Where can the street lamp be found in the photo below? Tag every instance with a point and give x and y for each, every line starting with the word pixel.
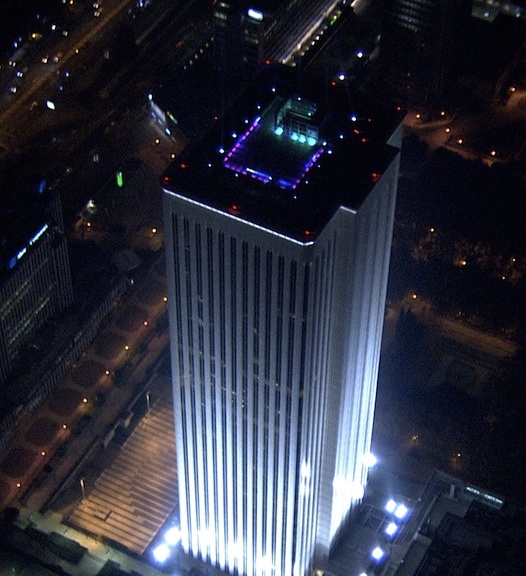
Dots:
pixel 83 488
pixel 148 401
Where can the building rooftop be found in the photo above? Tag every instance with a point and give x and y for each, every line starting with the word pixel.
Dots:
pixel 286 158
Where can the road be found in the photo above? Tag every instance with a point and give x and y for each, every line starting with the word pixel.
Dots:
pixel 88 94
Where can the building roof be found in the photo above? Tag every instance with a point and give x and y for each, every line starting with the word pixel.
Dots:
pixel 280 177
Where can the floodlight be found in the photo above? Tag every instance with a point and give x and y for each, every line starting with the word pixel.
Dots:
pixel 161 553
pixel 370 460
pixel 391 529
pixel 173 536
pixel 401 511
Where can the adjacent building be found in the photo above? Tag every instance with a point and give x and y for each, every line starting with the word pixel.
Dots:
pixel 252 32
pixel 35 277
pixel 278 235
pixel 420 47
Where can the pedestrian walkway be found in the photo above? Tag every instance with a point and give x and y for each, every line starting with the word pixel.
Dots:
pixel 133 498
pixel 87 401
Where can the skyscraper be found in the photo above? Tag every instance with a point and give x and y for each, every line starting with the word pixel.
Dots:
pixel 420 48
pixel 250 32
pixel 278 243
pixel 35 277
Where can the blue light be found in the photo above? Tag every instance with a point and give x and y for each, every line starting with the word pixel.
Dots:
pixel 278 131
pixel 255 14
pixel 294 136
pixel 311 141
pixel 41 186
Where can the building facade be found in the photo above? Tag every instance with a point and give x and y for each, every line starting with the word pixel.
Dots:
pixel 250 33
pixel 276 316
pixel 420 48
pixel 35 276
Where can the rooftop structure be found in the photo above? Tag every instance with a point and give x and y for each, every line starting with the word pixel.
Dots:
pixel 291 151
pixel 446 526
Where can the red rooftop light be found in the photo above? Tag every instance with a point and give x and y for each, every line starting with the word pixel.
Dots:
pixel 166 178
pixel 183 165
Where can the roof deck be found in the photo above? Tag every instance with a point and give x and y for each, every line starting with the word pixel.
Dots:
pixel 284 166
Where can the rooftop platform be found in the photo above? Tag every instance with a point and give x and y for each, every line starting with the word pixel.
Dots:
pixel 288 172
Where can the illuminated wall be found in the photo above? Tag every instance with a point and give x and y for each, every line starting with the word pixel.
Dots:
pixel 275 350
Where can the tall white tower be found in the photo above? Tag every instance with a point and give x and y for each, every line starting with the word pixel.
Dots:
pixel 277 259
